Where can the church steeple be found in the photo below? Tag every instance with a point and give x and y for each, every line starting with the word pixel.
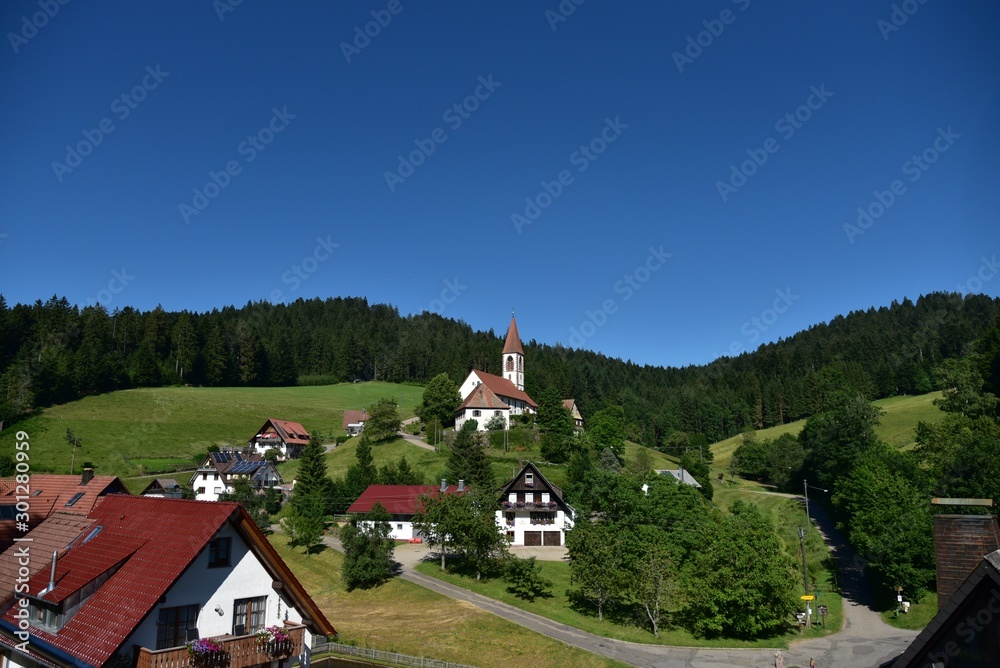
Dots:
pixel 512 361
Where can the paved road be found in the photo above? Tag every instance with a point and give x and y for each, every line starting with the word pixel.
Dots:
pixel 865 642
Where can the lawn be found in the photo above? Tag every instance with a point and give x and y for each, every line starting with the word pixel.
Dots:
pixel 134 432
pixel 403 617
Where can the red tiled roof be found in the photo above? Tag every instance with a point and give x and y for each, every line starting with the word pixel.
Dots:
pixel 396 499
pixel 154 540
pixel 157 539
pixel 290 432
pixel 503 387
pixel 354 417
pixel 513 342
pixel 49 493
pixel 568 404
pixel 53 535
pixel 482 397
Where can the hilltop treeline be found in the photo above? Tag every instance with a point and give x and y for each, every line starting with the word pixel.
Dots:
pixel 52 352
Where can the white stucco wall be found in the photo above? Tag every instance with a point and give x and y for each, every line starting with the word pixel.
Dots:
pixel 522 522
pixel 401 530
pixel 220 586
pixel 485 415
pixel 212 486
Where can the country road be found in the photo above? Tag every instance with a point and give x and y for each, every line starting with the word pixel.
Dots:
pixel 865 642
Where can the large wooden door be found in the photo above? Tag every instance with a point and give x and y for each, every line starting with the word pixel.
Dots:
pixel 551 539
pixel 533 538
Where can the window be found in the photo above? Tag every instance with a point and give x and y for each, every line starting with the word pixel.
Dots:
pixel 219 551
pixel 399 527
pixel 498 412
pixel 76 497
pixel 200 490
pixel 215 476
pixel 173 624
pixel 248 615
pixel 510 362
pixel 476 413
pixel 529 479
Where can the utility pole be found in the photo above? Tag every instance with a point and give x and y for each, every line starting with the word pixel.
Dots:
pixel 805 575
pixel 805 490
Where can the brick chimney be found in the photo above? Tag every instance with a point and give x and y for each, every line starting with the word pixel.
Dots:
pixel 88 475
pixel 960 543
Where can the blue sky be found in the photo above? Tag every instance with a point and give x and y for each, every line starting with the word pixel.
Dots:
pixel 658 183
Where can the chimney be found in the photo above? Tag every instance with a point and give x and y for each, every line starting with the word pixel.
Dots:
pixel 960 543
pixel 88 475
pixel 52 575
pixel 680 473
pixel 461 485
pixel 444 485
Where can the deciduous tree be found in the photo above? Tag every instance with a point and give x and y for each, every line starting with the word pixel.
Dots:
pixel 368 549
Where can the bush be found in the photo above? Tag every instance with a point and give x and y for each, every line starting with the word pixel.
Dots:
pixel 524 579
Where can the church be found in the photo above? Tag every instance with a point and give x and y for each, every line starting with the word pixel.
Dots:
pixel 486 396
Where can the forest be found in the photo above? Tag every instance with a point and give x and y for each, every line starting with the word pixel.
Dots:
pixel 53 352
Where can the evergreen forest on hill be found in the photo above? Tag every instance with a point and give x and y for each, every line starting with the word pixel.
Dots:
pixel 53 352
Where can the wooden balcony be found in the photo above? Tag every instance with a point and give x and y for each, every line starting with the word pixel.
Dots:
pixel 239 652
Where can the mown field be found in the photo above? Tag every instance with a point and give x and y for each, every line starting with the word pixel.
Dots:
pixel 133 432
pixel 403 617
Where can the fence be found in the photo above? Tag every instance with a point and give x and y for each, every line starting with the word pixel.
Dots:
pixel 394 658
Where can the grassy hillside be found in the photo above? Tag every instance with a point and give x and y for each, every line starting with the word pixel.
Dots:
pixel 159 429
pixel 896 428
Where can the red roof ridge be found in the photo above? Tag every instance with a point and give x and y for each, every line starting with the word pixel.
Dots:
pixel 502 387
pixel 483 397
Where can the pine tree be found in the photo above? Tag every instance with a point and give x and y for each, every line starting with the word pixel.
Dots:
pixel 467 460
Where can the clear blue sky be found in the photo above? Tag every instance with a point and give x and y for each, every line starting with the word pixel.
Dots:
pixel 309 118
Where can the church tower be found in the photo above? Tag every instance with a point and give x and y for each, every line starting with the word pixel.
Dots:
pixel 513 357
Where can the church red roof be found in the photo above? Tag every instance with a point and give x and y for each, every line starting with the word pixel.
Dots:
pixel 503 387
pixel 513 342
pixel 482 397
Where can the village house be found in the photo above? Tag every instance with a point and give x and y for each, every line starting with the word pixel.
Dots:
pixel 402 502
pixel 532 511
pixel 50 493
pixel 220 471
pixel 125 589
pixel 163 487
pixel 570 405
pixel 354 421
pixel 485 395
pixel 287 438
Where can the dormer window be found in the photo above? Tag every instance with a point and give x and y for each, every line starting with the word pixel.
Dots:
pixel 529 479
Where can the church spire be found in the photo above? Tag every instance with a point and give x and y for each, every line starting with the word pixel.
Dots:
pixel 512 357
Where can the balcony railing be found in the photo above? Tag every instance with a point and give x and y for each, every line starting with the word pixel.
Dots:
pixel 238 652
pixel 530 505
